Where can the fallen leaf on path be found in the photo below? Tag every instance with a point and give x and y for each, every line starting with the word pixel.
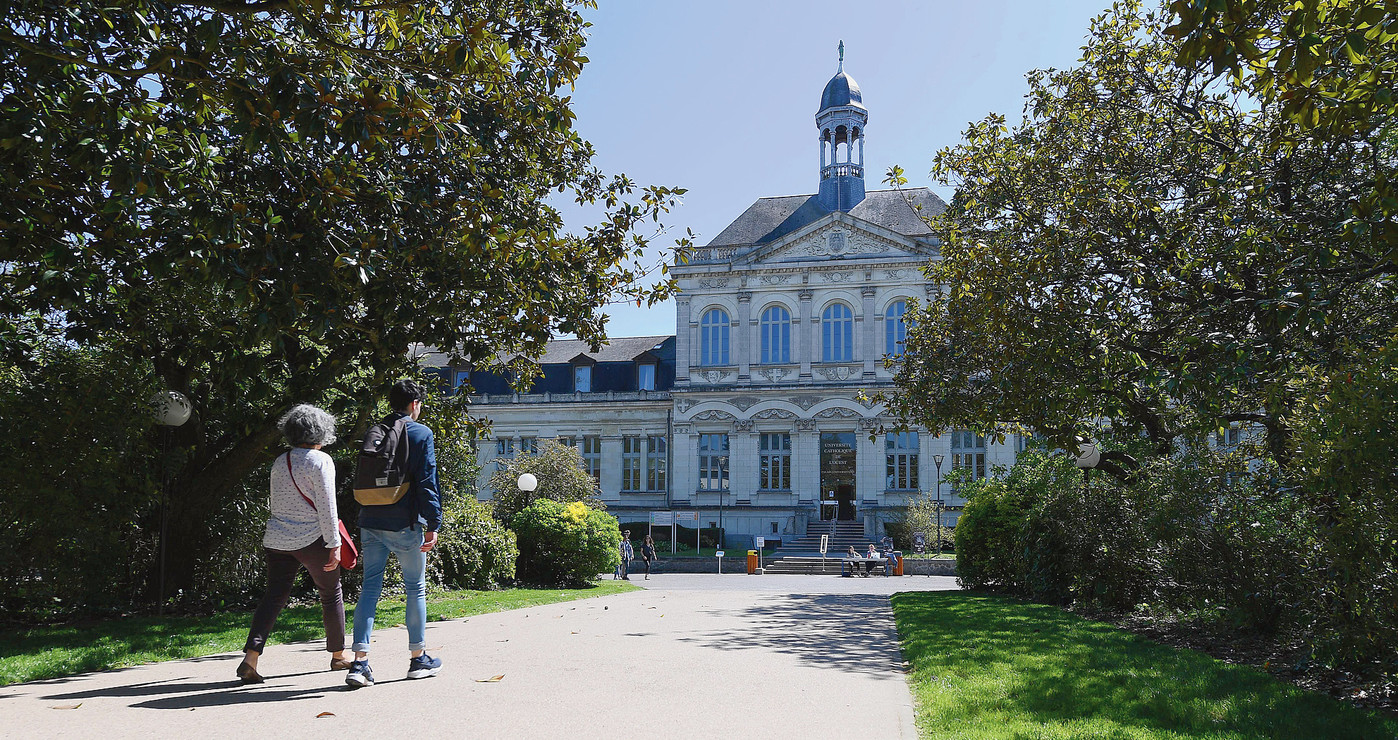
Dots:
pixel 492 679
pixel 325 714
pixel 67 706
pixel 572 633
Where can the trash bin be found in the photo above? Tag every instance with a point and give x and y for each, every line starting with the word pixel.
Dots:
pixel 898 566
pixel 752 562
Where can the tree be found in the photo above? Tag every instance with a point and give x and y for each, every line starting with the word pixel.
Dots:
pixel 269 202
pixel 561 475
pixel 1134 253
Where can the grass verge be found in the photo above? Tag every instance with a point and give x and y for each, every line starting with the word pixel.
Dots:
pixel 985 667
pixel 63 650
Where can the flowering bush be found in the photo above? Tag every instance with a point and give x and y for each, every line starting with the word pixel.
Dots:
pixel 564 544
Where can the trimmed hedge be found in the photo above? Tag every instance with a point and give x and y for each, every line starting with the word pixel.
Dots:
pixel 564 544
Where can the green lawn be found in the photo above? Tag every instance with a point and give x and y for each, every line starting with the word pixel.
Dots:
pixel 51 652
pixel 992 667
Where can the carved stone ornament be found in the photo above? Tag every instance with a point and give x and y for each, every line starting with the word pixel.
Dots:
pixel 716 376
pixel 805 425
pixel 894 274
pixel 806 294
pixel 838 413
pixel 774 414
pixel 775 279
pixel 743 425
pixel 838 372
pixel 806 402
pixel 683 405
pixel 713 415
pixel 713 283
pixel 837 277
pixel 868 291
pixel 870 425
pixel 744 402
pixel 774 374
pixel 681 429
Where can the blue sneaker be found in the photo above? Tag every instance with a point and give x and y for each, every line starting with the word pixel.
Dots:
pixel 423 666
pixel 359 675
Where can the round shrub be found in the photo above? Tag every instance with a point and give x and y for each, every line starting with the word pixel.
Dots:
pixel 564 544
pixel 473 549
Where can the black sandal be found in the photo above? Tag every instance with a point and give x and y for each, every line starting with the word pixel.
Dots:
pixel 248 674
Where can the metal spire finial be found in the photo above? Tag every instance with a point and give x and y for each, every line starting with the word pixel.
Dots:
pixel 842 56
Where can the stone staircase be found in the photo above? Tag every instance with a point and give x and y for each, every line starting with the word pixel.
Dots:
pixel 803 555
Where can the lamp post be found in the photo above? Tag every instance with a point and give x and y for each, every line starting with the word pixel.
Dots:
pixel 171 409
pixel 527 482
pixel 938 460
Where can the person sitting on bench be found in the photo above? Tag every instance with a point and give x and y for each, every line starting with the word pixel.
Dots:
pixel 847 568
pixel 872 555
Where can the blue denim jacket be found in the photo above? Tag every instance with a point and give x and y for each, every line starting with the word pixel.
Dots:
pixel 422 505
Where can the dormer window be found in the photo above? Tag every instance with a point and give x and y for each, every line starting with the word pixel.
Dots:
pixel 582 373
pixel 645 376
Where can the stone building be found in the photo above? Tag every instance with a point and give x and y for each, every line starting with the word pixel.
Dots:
pixel 757 415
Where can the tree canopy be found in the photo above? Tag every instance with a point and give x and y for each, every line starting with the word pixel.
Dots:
pixel 274 201
pixel 1136 251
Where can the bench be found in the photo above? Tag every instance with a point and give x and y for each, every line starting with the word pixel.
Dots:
pixel 850 566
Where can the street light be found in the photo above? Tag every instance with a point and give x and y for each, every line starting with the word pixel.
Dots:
pixel 527 482
pixel 170 409
pixel 938 460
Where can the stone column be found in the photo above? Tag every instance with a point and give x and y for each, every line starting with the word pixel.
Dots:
pixel 683 457
pixel 869 341
pixel 742 460
pixel 682 341
pixel 808 341
pixel 743 336
pixel 611 467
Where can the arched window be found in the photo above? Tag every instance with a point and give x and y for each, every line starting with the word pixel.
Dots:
pixel 776 335
pixel 837 333
pixel 895 328
pixel 713 337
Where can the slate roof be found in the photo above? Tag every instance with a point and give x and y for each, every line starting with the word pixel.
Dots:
pixel 772 218
pixel 841 90
pixel 560 351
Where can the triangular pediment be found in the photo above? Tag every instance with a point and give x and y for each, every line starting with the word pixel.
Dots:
pixel 838 236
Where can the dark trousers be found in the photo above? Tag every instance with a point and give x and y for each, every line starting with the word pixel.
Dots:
pixel 647 566
pixel 282 567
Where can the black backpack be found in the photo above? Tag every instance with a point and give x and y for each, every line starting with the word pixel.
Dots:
pixel 381 475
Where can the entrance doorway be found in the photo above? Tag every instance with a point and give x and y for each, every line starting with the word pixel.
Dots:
pixel 837 492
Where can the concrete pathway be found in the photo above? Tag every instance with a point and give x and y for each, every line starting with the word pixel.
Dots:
pixel 692 656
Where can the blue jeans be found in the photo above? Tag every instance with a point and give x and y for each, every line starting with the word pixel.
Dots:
pixel 375 544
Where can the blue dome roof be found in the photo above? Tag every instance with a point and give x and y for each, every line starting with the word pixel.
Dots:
pixel 841 90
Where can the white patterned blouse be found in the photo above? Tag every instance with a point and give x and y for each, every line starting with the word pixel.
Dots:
pixel 293 524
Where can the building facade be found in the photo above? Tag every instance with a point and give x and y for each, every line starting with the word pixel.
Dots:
pixel 759 413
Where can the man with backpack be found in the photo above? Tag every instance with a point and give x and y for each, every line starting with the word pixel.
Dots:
pixel 401 510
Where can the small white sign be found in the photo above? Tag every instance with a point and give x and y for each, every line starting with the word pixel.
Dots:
pixel 759 542
pixel 687 517
pixel 824 543
pixel 719 554
pixel 662 518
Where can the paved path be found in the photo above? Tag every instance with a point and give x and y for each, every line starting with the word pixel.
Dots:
pixel 692 656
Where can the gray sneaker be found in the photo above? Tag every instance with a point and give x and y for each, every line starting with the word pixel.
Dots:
pixel 359 675
pixel 423 666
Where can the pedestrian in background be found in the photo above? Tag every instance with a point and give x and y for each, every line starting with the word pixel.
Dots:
pixel 648 553
pixel 627 554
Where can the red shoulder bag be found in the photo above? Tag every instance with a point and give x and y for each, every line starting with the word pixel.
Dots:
pixel 349 555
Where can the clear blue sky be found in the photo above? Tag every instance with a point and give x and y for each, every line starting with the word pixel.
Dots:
pixel 720 96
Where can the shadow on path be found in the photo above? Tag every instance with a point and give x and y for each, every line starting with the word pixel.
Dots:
pixel 846 632
pixel 168 686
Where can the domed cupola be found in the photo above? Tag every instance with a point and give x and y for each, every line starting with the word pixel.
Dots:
pixel 841 121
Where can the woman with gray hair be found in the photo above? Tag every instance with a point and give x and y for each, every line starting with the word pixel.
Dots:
pixel 302 532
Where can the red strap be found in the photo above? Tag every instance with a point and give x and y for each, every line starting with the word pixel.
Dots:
pixel 298 487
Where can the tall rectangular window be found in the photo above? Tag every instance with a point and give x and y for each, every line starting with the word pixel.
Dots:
pixel 968 452
pixel 656 449
pixel 632 450
pixel 774 462
pixel 582 378
pixel 713 462
pixel 592 458
pixel 504 452
pixel 900 461
pixel 529 445
pixel 645 376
